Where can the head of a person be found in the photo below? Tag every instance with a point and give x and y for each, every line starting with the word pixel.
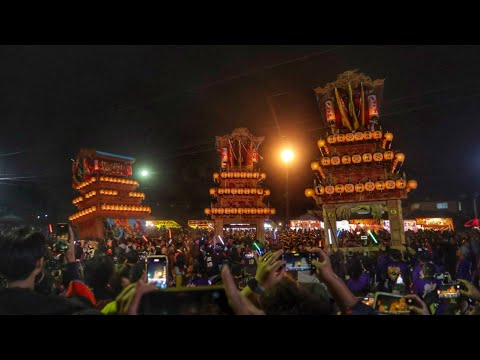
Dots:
pixel 289 298
pixel 121 278
pixel 428 270
pixel 132 257
pixel 22 254
pixel 355 268
pixel 98 271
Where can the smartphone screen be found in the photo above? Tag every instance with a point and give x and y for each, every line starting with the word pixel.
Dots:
pixel 392 304
pixel 157 271
pixel 299 261
pixel 448 291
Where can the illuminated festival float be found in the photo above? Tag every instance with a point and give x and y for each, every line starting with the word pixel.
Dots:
pixel 109 203
pixel 359 171
pixel 238 197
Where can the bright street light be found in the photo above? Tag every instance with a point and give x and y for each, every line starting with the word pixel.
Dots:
pixel 287 155
pixel 144 173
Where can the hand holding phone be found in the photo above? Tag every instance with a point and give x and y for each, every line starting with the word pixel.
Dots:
pixel 157 267
pixel 392 304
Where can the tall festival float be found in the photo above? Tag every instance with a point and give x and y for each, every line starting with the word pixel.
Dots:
pixel 238 195
pixel 359 169
pixel 109 203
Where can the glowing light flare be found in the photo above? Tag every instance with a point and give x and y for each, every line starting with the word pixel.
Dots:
pixel 287 155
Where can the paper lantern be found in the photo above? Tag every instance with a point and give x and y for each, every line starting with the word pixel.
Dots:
pixel 247 191
pixel 340 138
pixel 369 186
pixel 216 176
pixel 377 135
pixel 253 211
pixel 326 161
pixel 236 174
pixel 272 211
pixel 400 157
pixel 246 211
pixel 390 184
pixel 212 191
pixel 388 136
pixel 359 188
pixel 388 155
pixel 379 185
pixel 349 188
pixel 321 143
pixel 234 211
pixel 230 174
pixel 240 211
pixel 240 191
pixel 367 157
pixel 319 190
pixel 243 175
pixel 259 191
pixel 223 175
pixel 263 176
pixel 249 175
pixel 346 159
pixel 331 139
pixel 339 188
pixel 349 137
pixel 335 160
pixel 227 211
pixel 309 192
pixel 378 156
pixel 358 136
pixel 367 135
pixel 266 192
pixel 221 191
pixel 253 190
pixel 221 211
pixel 412 184
pixel 356 158
pixel 314 165
pixel 234 191
pixel 256 175
pixel 226 191
pixel 329 189
pixel 400 184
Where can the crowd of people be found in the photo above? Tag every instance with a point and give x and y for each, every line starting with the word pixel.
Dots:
pixel 40 276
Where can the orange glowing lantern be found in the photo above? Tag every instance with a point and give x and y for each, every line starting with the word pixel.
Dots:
pixel 346 159
pixel 350 137
pixel 243 175
pixel 367 135
pixel 335 160
pixel 388 155
pixel 412 184
pixel 349 188
pixel 314 165
pixel 340 138
pixel 319 190
pixel 369 186
pixel 390 184
pixel 309 192
pixel 249 175
pixel 367 157
pixel 329 189
pixel 359 188
pixel 331 139
pixel 339 188
pixel 356 158
pixel 377 135
pixel 236 174
pixel 212 191
pixel 358 136
pixel 400 184
pixel 326 161
pixel 379 185
pixel 266 192
pixel 246 191
pixel 378 156
pixel 207 211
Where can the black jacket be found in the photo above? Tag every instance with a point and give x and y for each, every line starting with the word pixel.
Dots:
pixel 18 301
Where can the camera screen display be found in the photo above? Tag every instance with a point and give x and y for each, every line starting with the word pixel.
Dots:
pixel 448 291
pixel 200 300
pixel 299 261
pixel 157 271
pixel 368 300
pixel 392 304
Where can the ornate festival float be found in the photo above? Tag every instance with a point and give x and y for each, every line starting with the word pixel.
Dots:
pixel 109 203
pixel 238 197
pixel 359 171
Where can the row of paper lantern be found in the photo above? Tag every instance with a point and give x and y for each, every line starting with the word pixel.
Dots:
pixel 126 208
pixel 358 136
pixel 77 200
pixel 239 191
pixel 90 194
pixel 359 188
pixel 239 175
pixel 137 194
pixel 85 183
pixel 118 180
pixel 357 158
pixel 108 192
pixel 82 213
pixel 240 211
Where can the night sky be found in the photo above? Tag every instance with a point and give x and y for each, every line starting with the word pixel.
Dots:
pixel 164 105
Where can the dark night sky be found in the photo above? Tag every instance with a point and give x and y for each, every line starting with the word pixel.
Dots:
pixel 164 105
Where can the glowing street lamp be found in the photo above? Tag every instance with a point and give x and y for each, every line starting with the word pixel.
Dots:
pixel 287 156
pixel 144 173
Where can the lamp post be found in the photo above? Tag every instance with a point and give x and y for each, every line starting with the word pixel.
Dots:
pixel 287 156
